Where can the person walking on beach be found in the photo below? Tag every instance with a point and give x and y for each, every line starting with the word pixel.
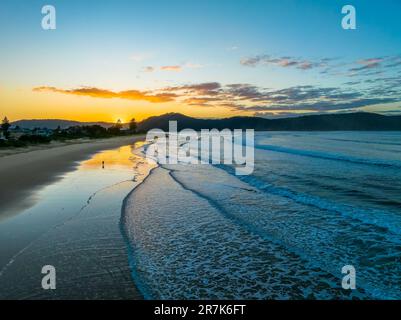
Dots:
pixel 102 164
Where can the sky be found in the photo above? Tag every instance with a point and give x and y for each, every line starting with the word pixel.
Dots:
pixel 109 60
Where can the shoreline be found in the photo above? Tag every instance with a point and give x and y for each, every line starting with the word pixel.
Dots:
pixel 124 233
pixel 85 243
pixel 26 171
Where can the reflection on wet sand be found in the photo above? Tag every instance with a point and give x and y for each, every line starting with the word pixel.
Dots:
pixel 74 226
pixel 121 157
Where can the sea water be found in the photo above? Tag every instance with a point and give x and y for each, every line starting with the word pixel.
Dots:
pixel 316 201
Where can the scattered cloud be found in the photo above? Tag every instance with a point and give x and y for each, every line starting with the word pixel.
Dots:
pixel 107 94
pixel 243 97
pixel 367 64
pixel 395 112
pixel 200 102
pixel 321 106
pixel 285 62
pixel 171 68
pixel 207 88
pixel 148 69
pixel 174 68
pixel 330 66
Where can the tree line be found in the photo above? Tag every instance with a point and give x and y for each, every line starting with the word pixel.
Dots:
pixel 58 134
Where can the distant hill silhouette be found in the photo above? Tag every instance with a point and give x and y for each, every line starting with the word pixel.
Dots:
pixel 54 123
pixel 362 121
pixel 323 122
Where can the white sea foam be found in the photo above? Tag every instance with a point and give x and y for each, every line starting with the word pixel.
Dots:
pixel 199 232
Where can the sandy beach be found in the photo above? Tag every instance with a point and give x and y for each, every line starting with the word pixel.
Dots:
pixel 71 223
pixel 27 169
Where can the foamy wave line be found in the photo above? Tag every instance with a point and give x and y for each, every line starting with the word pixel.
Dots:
pixel 365 216
pixel 251 227
pixel 330 156
pixel 366 142
pixel 140 285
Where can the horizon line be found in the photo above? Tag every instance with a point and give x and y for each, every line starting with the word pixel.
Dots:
pixel 202 118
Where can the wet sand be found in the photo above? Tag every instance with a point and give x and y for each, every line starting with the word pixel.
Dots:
pixel 24 171
pixel 75 227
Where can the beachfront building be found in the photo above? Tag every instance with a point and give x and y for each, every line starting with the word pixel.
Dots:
pixel 45 132
pixel 16 132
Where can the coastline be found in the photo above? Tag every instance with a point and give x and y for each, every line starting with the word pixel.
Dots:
pixel 37 166
pixel 139 285
pixel 81 238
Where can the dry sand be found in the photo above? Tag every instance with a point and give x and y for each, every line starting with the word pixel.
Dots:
pixel 24 170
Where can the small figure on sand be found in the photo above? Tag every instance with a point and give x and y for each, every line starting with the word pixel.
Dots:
pixel 102 164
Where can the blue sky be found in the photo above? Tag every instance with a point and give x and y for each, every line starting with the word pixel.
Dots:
pixel 266 57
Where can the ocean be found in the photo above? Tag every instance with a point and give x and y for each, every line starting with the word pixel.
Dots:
pixel 316 202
